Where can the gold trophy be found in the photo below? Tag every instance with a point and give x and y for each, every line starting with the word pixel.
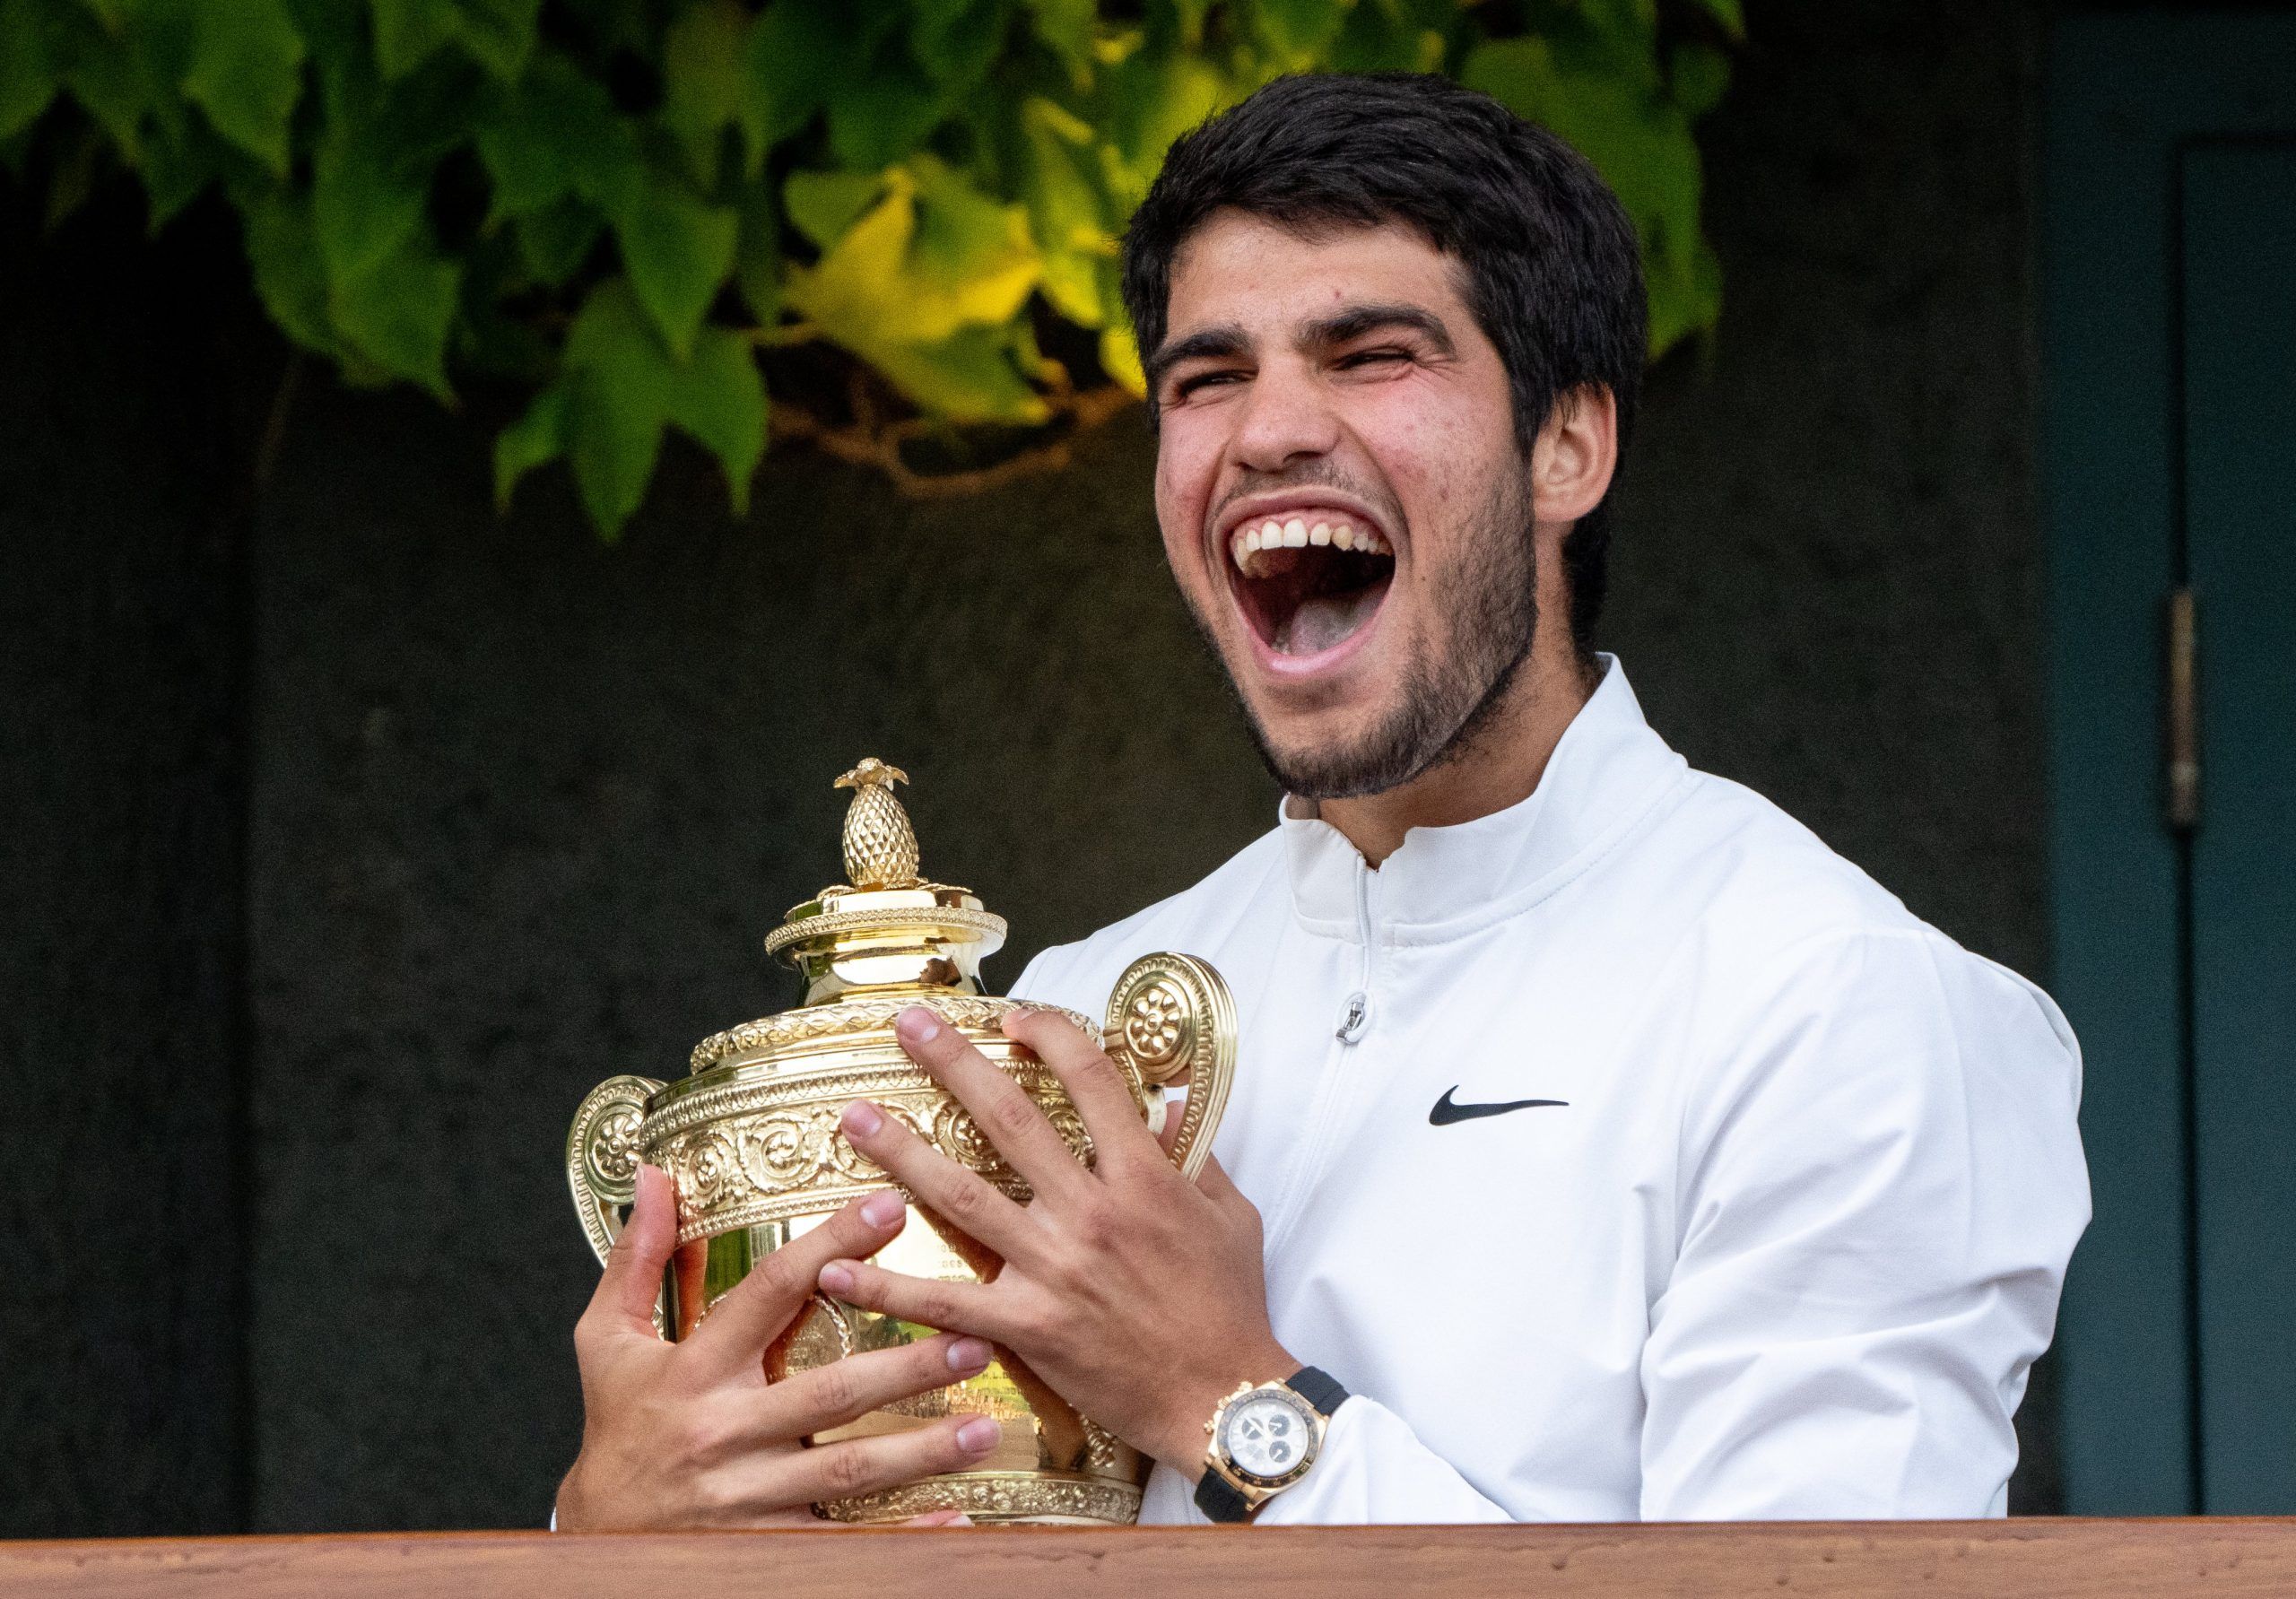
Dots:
pixel 752 1144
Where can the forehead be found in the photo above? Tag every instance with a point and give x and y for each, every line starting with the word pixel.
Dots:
pixel 1244 271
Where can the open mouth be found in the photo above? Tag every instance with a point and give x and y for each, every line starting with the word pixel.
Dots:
pixel 1305 586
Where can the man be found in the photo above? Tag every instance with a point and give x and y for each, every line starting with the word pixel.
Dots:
pixel 1603 1146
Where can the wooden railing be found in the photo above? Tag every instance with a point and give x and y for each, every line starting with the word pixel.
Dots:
pixel 1995 1558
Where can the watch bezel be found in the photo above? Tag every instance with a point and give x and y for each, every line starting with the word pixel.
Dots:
pixel 1311 1418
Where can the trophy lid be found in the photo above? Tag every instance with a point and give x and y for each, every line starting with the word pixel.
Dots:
pixel 889 928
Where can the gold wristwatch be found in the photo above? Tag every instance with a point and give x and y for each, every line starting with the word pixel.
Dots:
pixel 1265 1436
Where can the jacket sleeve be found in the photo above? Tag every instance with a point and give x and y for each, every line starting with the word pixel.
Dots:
pixel 1374 1469
pixel 1881 1185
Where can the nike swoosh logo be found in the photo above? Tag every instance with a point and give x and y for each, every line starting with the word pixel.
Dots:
pixel 1446 1112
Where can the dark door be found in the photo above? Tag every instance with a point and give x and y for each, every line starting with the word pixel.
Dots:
pixel 2170 293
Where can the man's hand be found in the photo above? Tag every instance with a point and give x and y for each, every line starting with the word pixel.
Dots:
pixel 690 1435
pixel 1138 1295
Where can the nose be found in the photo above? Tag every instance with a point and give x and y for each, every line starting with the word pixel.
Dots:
pixel 1286 417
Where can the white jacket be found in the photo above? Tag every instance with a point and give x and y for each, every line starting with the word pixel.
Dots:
pixel 1786 1251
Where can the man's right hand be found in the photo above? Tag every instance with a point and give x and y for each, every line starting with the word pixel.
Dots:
pixel 691 1434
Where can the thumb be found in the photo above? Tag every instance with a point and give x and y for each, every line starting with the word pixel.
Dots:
pixel 633 1275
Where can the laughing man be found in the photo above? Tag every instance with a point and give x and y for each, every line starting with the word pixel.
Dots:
pixel 1603 1147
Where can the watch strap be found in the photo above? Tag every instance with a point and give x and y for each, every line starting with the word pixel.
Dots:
pixel 1221 1500
pixel 1319 1388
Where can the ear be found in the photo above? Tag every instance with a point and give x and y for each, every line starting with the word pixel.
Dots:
pixel 1575 454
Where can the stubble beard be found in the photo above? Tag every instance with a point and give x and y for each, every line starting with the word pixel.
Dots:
pixel 1450 690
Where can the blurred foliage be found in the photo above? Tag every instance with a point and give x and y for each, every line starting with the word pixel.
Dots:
pixel 638 209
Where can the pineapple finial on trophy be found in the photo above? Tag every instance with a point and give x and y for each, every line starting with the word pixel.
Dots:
pixel 880 844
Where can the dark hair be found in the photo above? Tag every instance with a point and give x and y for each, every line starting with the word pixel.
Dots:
pixel 1554 271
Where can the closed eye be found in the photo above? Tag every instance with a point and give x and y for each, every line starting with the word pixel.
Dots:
pixel 1196 380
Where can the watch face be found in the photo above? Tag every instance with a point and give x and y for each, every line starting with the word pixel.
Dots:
pixel 1268 1435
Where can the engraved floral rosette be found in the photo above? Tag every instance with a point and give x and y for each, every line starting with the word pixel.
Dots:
pixel 752 1144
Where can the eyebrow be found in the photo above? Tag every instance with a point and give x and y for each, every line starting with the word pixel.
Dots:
pixel 1228 339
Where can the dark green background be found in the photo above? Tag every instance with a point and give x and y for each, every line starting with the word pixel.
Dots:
pixel 348 833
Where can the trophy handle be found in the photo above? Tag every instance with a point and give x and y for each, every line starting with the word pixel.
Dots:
pixel 1172 1014
pixel 602 1156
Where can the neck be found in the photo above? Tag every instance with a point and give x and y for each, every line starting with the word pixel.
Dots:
pixel 1497 767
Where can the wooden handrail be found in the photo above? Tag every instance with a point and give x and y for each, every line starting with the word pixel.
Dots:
pixel 1999 1560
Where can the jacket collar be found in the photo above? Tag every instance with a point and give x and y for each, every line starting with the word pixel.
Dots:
pixel 1445 883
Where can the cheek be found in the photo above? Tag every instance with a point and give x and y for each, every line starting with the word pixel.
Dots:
pixel 1187 462
pixel 1437 455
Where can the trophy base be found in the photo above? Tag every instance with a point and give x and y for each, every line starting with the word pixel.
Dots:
pixel 998 1499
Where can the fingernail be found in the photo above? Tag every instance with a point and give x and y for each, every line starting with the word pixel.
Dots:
pixel 837 1279
pixel 968 1354
pixel 918 1023
pixel 862 1117
pixel 882 1210
pixel 979 1435
pixel 959 1520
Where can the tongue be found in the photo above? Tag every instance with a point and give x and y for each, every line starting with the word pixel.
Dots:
pixel 1323 622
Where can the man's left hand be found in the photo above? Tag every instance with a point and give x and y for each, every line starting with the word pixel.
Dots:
pixel 1138 1295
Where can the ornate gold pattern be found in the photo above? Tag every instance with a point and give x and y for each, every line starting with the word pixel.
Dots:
pixel 755 1153
pixel 810 1023
pixel 602 1155
pixel 992 1496
pixel 830 923
pixel 1172 1015
pixel 880 844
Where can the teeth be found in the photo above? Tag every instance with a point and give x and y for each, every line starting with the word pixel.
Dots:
pixel 1245 543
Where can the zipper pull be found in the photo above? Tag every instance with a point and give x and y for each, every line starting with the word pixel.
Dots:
pixel 1356 1019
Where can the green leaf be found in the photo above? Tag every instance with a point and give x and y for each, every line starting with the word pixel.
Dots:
pixel 290 273
pixel 1730 13
pixel 366 207
pixel 801 49
pixel 719 399
pixel 247 75
pixel 1700 77
pixel 932 256
pixel 1395 36
pixel 757 258
pixel 118 85
pixel 499 34
pixel 677 251
pixel 29 76
pixel 626 387
pixel 956 41
pixel 555 240
pixel 1642 147
pixel 409 32
pixel 1155 98
pixel 558 134
pixel 1065 209
pixel 924 286
pixel 1067 26
pixel 176 172
pixel 706 89
pixel 1297 32
pixel 1685 298
pixel 535 440
pixel 969 377
pixel 1120 358
pixel 396 312
pixel 877 117
pixel 824 204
